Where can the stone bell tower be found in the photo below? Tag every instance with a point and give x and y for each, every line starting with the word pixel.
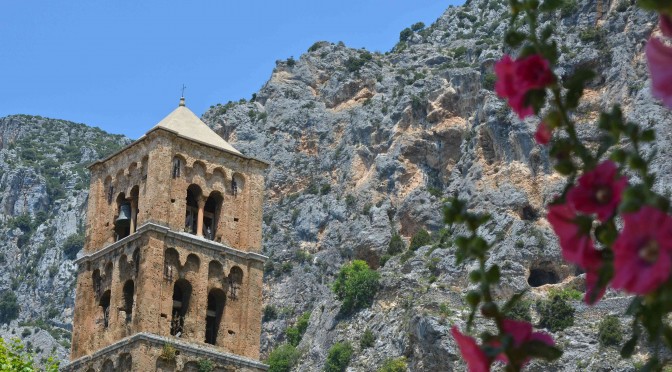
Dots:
pixel 171 275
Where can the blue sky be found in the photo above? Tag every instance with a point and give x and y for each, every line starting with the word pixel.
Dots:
pixel 119 65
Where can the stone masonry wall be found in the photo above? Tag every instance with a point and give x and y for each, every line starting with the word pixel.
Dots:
pixel 162 279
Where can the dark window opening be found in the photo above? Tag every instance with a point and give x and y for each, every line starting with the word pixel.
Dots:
pixel 191 215
pixel 210 211
pixel 110 194
pixel 122 224
pixel 234 187
pixel 136 261
pixel 135 197
pixel 213 318
pixel 235 281
pixel 181 295
pixel 129 291
pixel 539 277
pixel 177 163
pixel 105 305
pixel 97 282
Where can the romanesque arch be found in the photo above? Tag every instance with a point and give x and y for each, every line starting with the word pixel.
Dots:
pixel 194 195
pixel 128 293
pixel 211 214
pixel 213 317
pixel 181 298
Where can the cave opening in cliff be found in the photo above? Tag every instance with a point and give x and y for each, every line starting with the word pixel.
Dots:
pixel 539 277
pixel 528 213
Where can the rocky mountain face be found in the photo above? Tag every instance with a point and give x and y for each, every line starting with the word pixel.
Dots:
pixel 364 146
pixel 43 195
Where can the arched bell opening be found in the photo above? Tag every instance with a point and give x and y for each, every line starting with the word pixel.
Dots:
pixel 171 264
pixel 134 201
pixel 97 282
pixel 178 166
pixel 213 206
pixel 237 184
pixel 181 296
pixel 122 222
pixel 104 304
pixel 213 317
pixel 235 282
pixel 136 261
pixel 108 366
pixel 194 193
pixel 129 292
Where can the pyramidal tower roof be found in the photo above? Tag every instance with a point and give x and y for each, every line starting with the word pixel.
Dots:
pixel 187 125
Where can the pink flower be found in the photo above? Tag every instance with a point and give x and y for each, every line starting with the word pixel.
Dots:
pixel 643 251
pixel 599 191
pixel 516 78
pixel 659 57
pixel 543 134
pixel 576 244
pixel 666 25
pixel 476 359
pixel 534 72
pixel 593 292
pixel 521 332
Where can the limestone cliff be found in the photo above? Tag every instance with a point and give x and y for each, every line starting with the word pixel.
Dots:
pixel 364 145
pixel 43 194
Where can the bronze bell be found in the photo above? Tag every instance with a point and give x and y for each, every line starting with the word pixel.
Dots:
pixel 124 218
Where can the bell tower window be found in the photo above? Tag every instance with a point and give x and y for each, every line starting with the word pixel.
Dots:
pixel 122 224
pixel 216 300
pixel 105 307
pixel 191 213
pixel 181 294
pixel 129 291
pixel 210 214
pixel 177 165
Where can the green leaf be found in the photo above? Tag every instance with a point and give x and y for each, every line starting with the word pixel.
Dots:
pixel 652 365
pixel 492 276
pixel 542 350
pixel 514 38
pixel 473 298
pixel 489 309
pixel 619 156
pixel 516 6
pixel 667 335
pixel 528 50
pixel 553 119
pixel 575 85
pixel 550 5
pixel 550 52
pixel 547 31
pixel 606 234
pixel 648 135
pixel 636 162
pixel 660 202
pixel 512 301
pixel 629 348
pixel 565 167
